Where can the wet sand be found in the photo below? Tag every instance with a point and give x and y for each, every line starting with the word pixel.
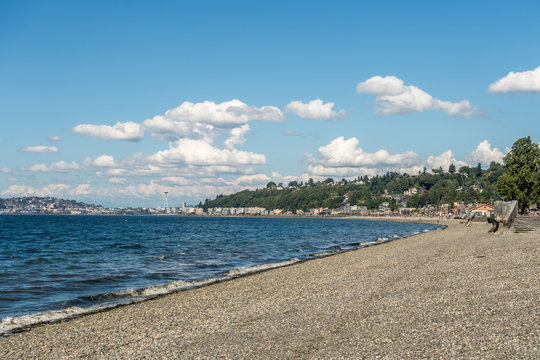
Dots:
pixel 453 293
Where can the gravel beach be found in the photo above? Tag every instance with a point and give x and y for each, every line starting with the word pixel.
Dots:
pixel 453 293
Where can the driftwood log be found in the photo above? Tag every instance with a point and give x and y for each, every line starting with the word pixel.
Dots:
pixel 503 216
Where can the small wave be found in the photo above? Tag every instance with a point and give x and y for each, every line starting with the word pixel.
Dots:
pixel 10 324
pixel 19 323
pixel 256 268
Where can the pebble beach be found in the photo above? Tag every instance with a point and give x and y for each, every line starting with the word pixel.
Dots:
pixel 454 293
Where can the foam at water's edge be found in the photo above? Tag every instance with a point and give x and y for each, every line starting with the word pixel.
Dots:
pixel 13 324
pixel 251 269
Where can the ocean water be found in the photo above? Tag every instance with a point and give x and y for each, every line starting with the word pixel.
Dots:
pixel 53 267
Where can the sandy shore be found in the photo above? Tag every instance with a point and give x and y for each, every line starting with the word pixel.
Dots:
pixel 454 293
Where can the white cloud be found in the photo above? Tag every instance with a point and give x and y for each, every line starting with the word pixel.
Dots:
pixel 345 158
pixel 177 180
pixel 117 180
pixel 5 170
pixel 39 167
pixel 199 152
pixel 54 138
pixel 104 161
pixel 238 136
pixel 64 166
pixel 323 171
pixel 56 190
pixel 59 166
pixel 517 81
pixel 40 149
pixel 164 128
pixel 227 113
pixel 116 172
pixel 202 120
pixel 341 152
pixel 120 131
pixel 444 160
pixel 394 97
pixel 81 189
pixel 484 154
pixel 23 190
pixel 252 180
pixel 315 109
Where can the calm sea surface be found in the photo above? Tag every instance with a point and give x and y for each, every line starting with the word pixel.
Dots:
pixel 61 262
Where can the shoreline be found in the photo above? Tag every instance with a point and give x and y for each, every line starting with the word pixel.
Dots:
pixel 23 323
pixel 308 306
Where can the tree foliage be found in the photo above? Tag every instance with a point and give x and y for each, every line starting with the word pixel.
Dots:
pixel 520 179
pixel 469 185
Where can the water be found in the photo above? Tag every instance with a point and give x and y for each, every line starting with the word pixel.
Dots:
pixel 77 264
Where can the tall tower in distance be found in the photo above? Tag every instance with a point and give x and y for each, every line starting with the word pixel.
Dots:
pixel 166 202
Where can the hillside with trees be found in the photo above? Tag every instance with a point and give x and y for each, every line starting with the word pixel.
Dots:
pixel 518 178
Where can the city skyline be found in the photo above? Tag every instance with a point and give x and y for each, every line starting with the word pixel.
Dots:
pixel 118 103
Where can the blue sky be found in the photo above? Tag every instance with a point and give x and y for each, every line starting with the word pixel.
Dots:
pixel 258 91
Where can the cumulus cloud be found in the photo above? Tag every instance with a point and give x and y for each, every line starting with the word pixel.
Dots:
pixel 104 161
pixel 64 166
pixel 315 109
pixel 528 81
pixel 227 113
pixel 5 170
pixel 180 180
pixel 342 152
pixel 40 149
pixel 116 172
pixel 238 136
pixel 323 171
pixel 59 166
pixel 56 190
pixel 54 138
pixel 39 167
pixel 199 152
pixel 81 189
pixel 120 131
pixel 394 97
pixel 201 120
pixel 252 180
pixel 444 160
pixel 117 180
pixel 484 154
pixel 23 190
pixel 343 157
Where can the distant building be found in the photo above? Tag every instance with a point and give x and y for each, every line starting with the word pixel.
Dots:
pixel 484 210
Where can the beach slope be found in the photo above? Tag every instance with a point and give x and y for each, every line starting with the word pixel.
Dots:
pixel 453 293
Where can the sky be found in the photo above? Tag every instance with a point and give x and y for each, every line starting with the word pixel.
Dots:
pixel 114 103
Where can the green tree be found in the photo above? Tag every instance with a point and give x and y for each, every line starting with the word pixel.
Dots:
pixel 293 184
pixel 478 170
pixel 271 185
pixel 520 179
pixel 452 169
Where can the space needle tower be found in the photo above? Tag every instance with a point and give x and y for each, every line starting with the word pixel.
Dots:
pixel 166 202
